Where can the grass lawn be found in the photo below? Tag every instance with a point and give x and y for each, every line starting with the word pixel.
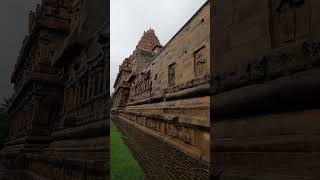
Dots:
pixel 123 165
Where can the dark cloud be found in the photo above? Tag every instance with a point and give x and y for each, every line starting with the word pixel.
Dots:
pixel 14 25
pixel 130 18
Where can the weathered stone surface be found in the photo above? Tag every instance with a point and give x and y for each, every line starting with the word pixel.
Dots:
pixel 264 84
pixel 166 89
pixel 59 121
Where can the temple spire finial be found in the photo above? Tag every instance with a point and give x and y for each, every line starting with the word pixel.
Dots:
pixel 149 40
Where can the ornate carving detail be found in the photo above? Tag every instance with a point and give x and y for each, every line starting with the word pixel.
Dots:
pixel 141 89
pixel 311 51
pixel 290 20
pixel 171 75
pixel 200 62
pixel 50 97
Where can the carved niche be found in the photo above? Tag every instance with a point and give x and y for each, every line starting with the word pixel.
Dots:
pixel 200 62
pixel 171 74
pixel 290 20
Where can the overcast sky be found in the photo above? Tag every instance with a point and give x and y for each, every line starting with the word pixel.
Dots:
pixel 14 23
pixel 130 18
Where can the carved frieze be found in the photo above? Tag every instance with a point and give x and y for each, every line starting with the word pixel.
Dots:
pixel 280 62
pixel 141 89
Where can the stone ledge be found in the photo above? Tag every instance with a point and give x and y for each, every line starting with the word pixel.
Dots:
pixel 81 143
pixel 87 149
pixel 98 166
pixel 94 129
pixel 185 148
pixel 183 120
pixel 284 143
pixel 28 174
pixel 198 91
pixel 290 93
pixel 16 141
pixel 299 56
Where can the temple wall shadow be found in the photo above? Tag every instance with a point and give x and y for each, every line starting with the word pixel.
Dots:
pixel 265 78
pixel 58 113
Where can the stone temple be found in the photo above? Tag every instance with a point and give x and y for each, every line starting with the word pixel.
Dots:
pixel 165 89
pixel 58 115
pixel 265 84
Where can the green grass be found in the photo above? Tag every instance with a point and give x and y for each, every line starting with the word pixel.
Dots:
pixel 123 165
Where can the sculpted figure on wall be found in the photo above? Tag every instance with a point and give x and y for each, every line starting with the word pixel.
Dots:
pixel 171 75
pixel 200 62
pixel 290 20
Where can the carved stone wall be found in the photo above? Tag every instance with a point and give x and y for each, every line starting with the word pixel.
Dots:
pixel 192 40
pixel 169 87
pixel 262 103
pixel 58 115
